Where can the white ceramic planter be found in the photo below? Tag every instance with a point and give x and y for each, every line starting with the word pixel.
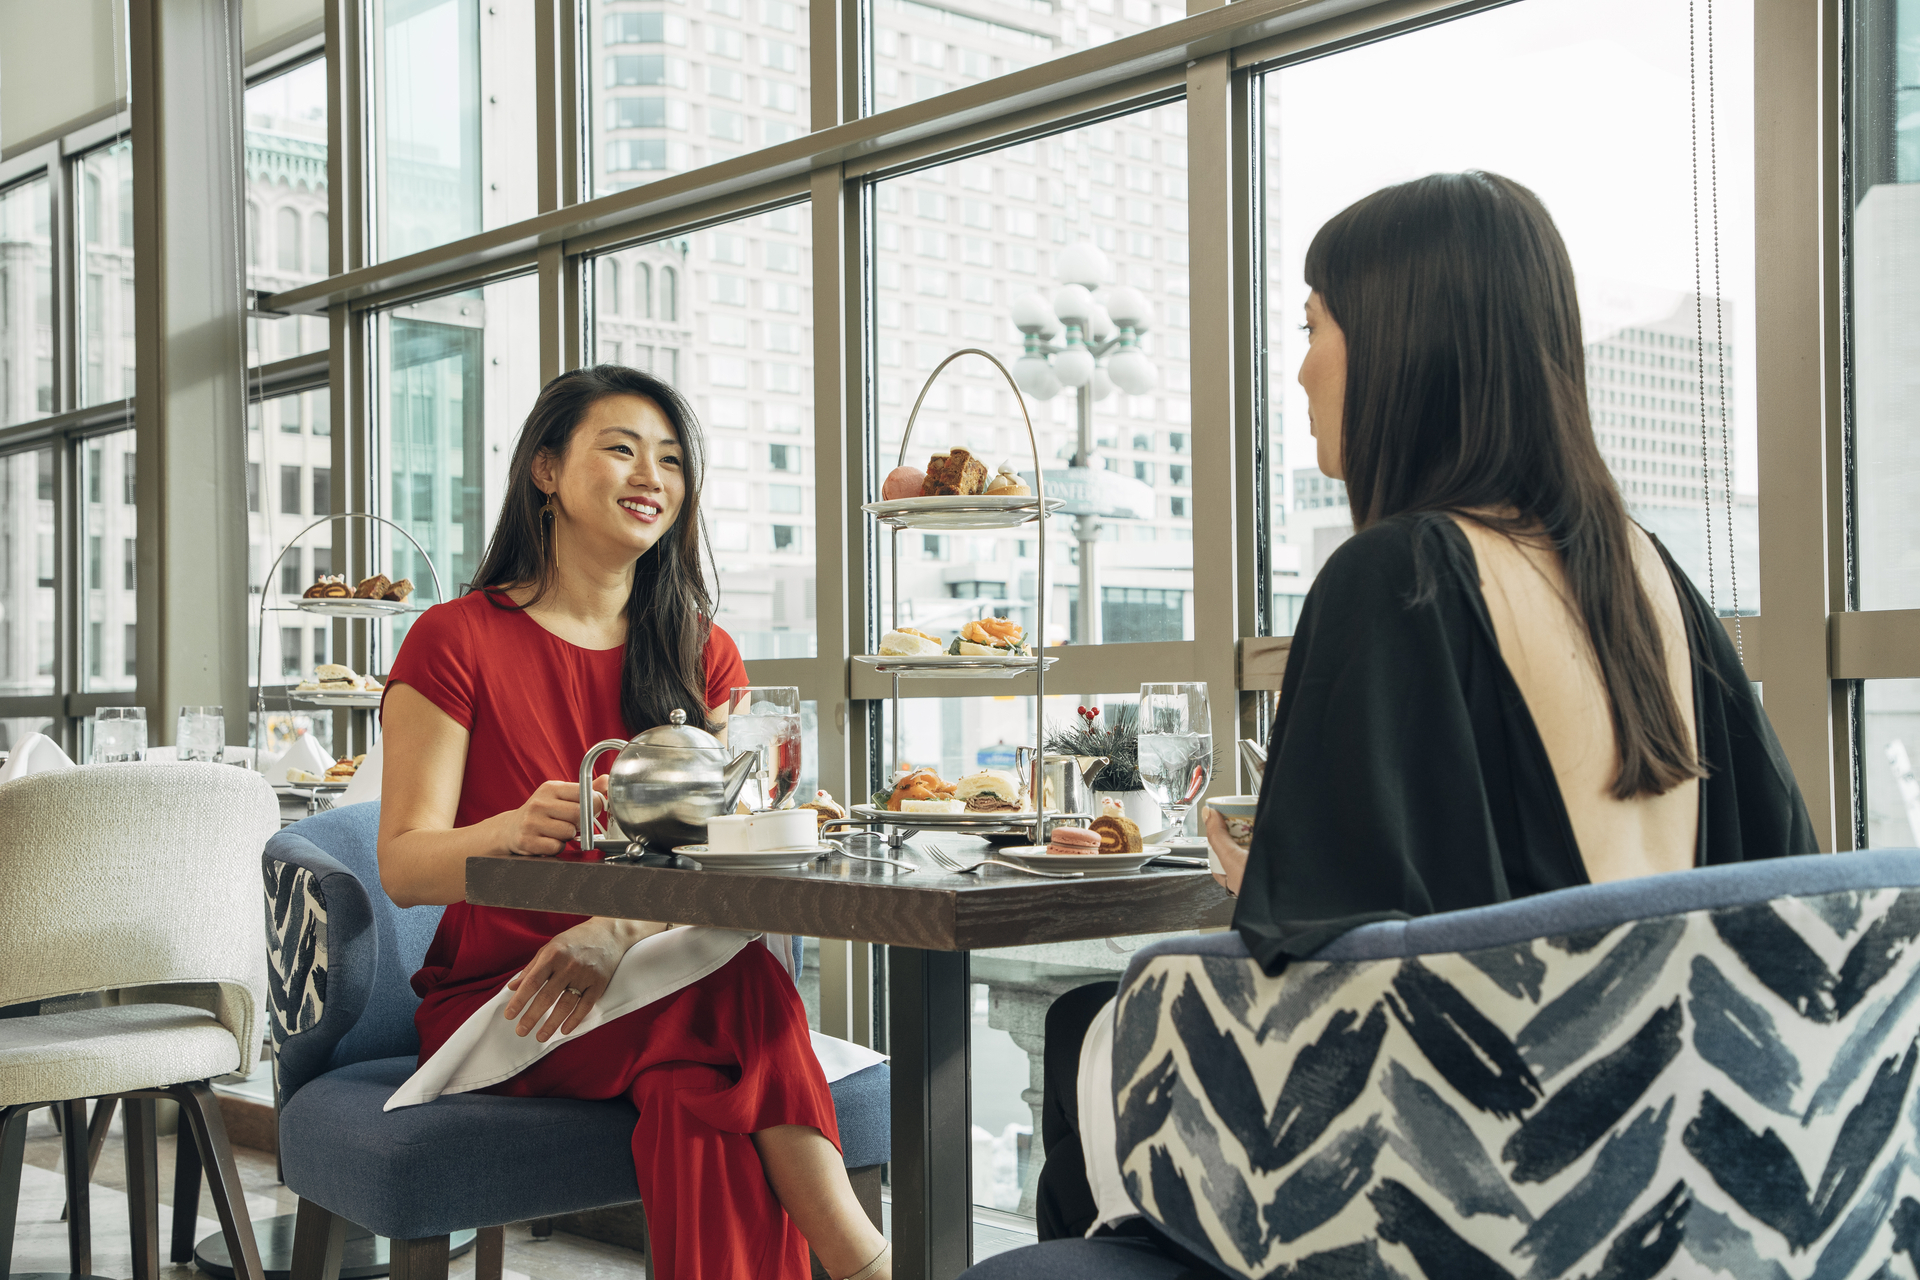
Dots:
pixel 1138 806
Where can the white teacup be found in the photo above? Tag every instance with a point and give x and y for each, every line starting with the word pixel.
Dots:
pixel 1237 812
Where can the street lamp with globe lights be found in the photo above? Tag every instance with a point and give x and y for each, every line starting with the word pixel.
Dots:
pixel 1098 348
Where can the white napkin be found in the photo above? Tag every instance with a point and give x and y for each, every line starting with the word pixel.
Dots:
pixel 37 753
pixel 365 783
pixel 485 1050
pixel 305 754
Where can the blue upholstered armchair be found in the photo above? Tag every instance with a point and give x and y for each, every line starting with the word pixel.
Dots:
pixel 341 1015
pixel 1705 1073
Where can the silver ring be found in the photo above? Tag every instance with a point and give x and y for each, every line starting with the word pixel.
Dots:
pixel 575 992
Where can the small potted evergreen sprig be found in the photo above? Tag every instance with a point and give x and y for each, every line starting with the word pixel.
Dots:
pixel 1113 732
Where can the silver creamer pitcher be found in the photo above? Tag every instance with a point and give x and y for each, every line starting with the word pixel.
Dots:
pixel 665 783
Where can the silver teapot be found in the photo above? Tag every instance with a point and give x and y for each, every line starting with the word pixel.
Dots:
pixel 666 783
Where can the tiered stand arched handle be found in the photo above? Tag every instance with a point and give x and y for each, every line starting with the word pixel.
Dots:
pixel 258 738
pixel 896 522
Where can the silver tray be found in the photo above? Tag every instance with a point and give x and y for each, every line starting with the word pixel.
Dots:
pixel 952 667
pixel 347 607
pixel 953 821
pixel 348 698
pixel 971 511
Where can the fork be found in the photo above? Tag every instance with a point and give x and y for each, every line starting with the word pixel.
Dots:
pixel 948 862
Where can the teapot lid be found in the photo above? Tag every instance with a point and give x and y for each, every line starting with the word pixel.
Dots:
pixel 677 733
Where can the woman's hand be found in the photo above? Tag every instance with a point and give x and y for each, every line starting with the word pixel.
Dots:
pixel 1231 855
pixel 567 977
pixel 549 818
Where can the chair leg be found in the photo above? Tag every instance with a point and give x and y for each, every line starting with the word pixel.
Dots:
pixel 202 1110
pixel 96 1138
pixel 186 1195
pixel 73 1137
pixel 423 1259
pixel 143 1186
pixel 542 1228
pixel 319 1240
pixel 13 1153
pixel 490 1253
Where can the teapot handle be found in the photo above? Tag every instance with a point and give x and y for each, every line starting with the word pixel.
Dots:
pixel 593 755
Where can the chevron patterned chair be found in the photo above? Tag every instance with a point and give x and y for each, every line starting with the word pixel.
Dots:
pixel 341 1015
pixel 1706 1073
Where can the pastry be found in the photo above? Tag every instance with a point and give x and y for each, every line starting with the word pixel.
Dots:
pixel 920 784
pixel 1117 834
pixel 988 791
pixel 1006 484
pixel 400 590
pixel 990 638
pixel 327 587
pixel 908 643
pixel 903 482
pixel 343 769
pixel 1073 840
pixel 932 806
pixel 374 588
pixel 955 473
pixel 825 808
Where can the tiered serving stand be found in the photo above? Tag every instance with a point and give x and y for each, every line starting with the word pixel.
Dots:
pixel 975 512
pixel 335 607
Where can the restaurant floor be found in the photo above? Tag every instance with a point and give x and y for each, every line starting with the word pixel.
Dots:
pixel 40 1241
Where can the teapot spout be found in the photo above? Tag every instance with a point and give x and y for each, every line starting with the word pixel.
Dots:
pixel 738 770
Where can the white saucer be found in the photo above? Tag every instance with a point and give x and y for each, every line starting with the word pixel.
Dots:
pixel 760 860
pixel 1094 864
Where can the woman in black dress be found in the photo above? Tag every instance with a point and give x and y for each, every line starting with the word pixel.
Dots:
pixel 1500 685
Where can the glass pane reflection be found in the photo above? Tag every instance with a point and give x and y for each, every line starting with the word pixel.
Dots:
pixel 454 135
pixel 1512 90
pixel 103 189
pixel 287 227
pixel 461 372
pixel 671 91
pixel 26 302
pixel 108 616
pixel 1884 234
pixel 28 658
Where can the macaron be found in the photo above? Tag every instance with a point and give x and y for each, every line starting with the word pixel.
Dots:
pixel 1074 840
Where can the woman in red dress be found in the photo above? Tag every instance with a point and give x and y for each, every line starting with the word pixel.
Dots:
pixel 588 619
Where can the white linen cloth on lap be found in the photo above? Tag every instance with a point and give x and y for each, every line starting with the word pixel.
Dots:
pixel 37 753
pixel 484 1050
pixel 1099 1125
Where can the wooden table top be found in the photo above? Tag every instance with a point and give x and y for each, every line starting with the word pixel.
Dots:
pixel 929 908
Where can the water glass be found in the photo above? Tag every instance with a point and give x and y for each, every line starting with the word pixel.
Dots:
pixel 119 735
pixel 766 719
pixel 1176 747
pixel 201 734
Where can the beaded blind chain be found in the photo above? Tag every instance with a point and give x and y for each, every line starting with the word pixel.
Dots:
pixel 1707 469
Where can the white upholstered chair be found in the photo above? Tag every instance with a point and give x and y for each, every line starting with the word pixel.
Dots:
pixel 141 882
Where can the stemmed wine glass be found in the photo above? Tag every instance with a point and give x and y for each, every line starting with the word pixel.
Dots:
pixel 766 718
pixel 1176 747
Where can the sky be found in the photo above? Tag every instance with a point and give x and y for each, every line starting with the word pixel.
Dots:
pixel 1585 102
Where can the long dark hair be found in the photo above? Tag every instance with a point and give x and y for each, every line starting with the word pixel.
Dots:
pixel 669 612
pixel 1466 392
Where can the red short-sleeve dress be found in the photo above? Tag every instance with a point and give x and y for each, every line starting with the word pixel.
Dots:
pixel 716 1061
